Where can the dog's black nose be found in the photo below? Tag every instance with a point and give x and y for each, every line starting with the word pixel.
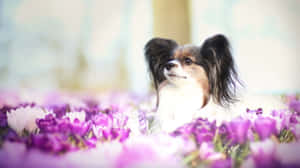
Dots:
pixel 170 65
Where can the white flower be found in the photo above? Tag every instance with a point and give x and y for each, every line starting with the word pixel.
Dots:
pixel 25 118
pixel 73 115
pixel 133 120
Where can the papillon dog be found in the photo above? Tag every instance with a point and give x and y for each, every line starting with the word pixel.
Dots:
pixel 192 81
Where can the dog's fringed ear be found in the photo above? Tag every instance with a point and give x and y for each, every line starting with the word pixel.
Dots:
pixel 158 52
pixel 222 75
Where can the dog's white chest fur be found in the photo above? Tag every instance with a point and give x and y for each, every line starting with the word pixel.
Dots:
pixel 178 105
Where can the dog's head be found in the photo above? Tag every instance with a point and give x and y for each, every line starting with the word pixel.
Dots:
pixel 210 65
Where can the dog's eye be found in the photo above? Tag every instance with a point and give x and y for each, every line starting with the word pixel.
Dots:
pixel 188 61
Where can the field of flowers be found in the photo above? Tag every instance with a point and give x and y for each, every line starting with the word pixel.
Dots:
pixel 60 129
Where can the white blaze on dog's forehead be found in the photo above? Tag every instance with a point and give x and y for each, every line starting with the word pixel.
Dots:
pixel 176 62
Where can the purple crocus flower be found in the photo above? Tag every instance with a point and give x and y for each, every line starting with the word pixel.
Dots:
pixel 124 134
pixel 283 119
pixel 223 129
pixel 103 120
pixel 48 124
pixel 114 133
pixel 109 134
pixel 53 125
pixel 258 111
pixel 27 104
pixel 238 130
pixel 294 105
pixel 120 133
pixel 91 142
pixel 12 136
pixel 293 119
pixel 3 116
pixel 59 110
pixel 143 122
pixel 102 125
pixel 55 143
pixel 203 130
pixel 203 135
pixel 184 131
pixel 80 128
pixel 265 127
pixel 90 112
pixel 63 126
pixel 279 113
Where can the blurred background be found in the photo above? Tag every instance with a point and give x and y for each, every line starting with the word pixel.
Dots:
pixel 98 45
